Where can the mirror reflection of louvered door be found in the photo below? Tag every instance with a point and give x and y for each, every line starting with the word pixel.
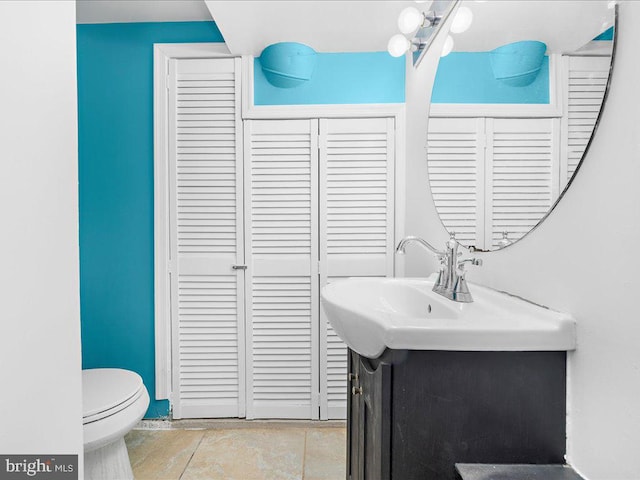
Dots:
pixel 585 85
pixel 493 175
pixel 455 160
pixel 206 239
pixel 319 206
pixel 522 175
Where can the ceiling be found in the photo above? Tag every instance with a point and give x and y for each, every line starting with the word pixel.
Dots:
pixel 126 11
pixel 564 25
pixel 248 26
pixel 326 26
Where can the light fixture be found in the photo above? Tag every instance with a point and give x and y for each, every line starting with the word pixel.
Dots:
pixel 462 20
pixel 517 64
pixel 398 45
pixel 419 28
pixel 288 64
pixel 447 47
pixel 410 19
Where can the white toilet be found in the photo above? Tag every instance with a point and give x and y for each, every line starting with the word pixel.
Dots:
pixel 114 400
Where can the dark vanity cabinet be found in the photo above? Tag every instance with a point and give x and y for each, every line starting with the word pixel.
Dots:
pixel 369 419
pixel 413 414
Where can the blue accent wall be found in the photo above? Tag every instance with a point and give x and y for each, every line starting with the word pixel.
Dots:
pixel 115 142
pixel 466 77
pixel 339 78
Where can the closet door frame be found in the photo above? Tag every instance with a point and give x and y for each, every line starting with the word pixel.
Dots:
pixel 162 55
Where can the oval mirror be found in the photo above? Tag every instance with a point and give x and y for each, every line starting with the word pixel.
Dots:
pixel 514 105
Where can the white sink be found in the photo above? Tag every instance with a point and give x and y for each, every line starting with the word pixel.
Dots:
pixel 372 314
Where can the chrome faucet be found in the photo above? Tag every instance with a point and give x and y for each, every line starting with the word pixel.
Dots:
pixel 440 254
pixel 451 282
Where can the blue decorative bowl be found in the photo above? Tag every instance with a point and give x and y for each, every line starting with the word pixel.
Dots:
pixel 288 64
pixel 517 64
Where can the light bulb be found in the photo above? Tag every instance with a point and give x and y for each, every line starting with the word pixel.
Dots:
pixel 448 46
pixel 398 45
pixel 410 19
pixel 462 20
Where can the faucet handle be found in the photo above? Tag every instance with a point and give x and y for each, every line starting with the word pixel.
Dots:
pixel 461 289
pixel 472 261
pixel 452 243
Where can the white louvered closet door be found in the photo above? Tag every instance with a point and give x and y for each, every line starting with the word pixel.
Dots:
pixel 281 167
pixel 584 91
pixel 205 172
pixel 455 159
pixel 356 227
pixel 522 174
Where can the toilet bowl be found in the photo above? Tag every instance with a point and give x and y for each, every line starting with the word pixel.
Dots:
pixel 114 400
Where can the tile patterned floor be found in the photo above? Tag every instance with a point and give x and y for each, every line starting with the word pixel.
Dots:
pixel 239 451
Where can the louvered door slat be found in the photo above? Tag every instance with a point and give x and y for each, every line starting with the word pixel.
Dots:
pixel 282 284
pixel 206 209
pixel 355 193
pixel 455 159
pixel 585 89
pixel 356 226
pixel 521 171
pixel 492 175
pixel 281 339
pixel 334 389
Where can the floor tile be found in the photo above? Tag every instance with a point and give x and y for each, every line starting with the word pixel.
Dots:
pixel 248 454
pixel 161 454
pixel 325 454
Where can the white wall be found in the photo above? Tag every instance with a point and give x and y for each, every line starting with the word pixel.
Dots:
pixel 581 260
pixel 39 289
pixel 421 216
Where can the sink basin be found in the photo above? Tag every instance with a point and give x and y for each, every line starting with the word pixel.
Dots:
pixel 373 314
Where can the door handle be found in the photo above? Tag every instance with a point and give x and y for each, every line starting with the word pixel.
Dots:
pixel 239 267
